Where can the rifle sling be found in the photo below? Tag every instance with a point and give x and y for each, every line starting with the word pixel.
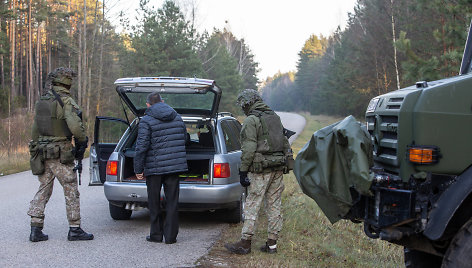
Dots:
pixel 58 98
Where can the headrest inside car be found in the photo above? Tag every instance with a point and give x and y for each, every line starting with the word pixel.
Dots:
pixel 205 139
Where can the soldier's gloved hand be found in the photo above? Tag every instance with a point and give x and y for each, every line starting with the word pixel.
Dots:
pixel 243 179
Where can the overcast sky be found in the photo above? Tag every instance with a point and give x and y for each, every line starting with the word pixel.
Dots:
pixel 274 30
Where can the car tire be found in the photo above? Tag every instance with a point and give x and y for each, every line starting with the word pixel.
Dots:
pixel 420 259
pixel 236 215
pixel 119 213
pixel 458 253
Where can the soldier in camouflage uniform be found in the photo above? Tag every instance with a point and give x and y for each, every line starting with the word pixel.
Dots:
pixel 263 162
pixel 52 154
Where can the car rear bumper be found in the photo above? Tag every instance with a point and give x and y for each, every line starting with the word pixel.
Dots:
pixel 195 194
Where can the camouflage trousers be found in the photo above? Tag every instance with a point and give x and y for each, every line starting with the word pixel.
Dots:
pixel 67 178
pixel 267 187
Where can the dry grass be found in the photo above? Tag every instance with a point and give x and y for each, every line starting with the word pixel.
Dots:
pixel 15 161
pixel 15 133
pixel 307 238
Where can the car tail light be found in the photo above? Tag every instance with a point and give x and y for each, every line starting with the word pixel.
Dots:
pixel 112 168
pixel 423 154
pixel 221 170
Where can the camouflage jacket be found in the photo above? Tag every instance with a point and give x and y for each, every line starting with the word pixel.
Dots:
pixel 69 113
pixel 251 132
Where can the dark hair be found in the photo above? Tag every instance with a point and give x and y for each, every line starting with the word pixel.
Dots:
pixel 153 98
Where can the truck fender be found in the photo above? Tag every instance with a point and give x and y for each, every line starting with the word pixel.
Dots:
pixel 448 204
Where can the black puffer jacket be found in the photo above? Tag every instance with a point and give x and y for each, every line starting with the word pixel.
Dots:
pixel 160 147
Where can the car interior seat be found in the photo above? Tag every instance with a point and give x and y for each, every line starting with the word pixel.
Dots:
pixel 206 139
pixel 187 139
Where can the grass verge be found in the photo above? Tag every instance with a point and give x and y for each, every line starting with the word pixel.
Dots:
pixel 307 238
pixel 14 162
pixel 18 161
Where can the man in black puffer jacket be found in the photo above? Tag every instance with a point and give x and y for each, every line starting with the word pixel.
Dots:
pixel 160 157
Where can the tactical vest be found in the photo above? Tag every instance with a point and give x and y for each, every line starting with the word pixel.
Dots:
pixel 269 154
pixel 272 140
pixel 46 118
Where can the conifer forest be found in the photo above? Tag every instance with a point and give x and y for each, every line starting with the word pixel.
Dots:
pixel 385 45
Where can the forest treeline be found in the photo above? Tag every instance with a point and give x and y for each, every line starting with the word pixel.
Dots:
pixel 386 45
pixel 37 36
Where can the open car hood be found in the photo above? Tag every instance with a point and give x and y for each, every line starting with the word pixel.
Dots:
pixel 188 96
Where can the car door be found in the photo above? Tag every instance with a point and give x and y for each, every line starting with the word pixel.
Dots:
pixel 108 131
pixel 232 144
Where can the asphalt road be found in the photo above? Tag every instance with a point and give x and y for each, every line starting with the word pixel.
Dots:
pixel 116 243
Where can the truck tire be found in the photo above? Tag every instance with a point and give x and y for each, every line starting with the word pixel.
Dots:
pixel 459 252
pixel 119 213
pixel 420 259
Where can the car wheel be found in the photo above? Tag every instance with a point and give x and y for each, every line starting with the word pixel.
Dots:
pixel 420 259
pixel 458 253
pixel 236 215
pixel 119 213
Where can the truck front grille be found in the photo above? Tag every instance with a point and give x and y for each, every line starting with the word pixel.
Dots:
pixel 383 126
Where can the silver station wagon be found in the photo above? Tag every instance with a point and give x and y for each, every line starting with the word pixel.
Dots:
pixel 213 148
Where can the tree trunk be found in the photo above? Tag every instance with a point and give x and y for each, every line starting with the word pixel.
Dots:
pixel 30 60
pixel 84 56
pixel 395 48
pixel 12 52
pixel 79 68
pixel 40 71
pixel 21 66
pixel 100 64
pixel 90 61
pixel 2 69
pixel 38 57
pixel 71 32
pixel 12 71
pixel 48 48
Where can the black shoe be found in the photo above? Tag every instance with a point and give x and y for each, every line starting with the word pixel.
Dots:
pixel 149 239
pixel 241 247
pixel 171 241
pixel 267 247
pixel 37 234
pixel 77 234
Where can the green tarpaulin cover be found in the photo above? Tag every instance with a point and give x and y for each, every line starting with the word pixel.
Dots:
pixel 335 159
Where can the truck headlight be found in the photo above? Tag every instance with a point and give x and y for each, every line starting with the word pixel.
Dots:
pixel 423 155
pixel 372 105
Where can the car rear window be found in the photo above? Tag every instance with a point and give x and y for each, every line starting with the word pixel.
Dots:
pixel 231 136
pixel 174 100
pixel 199 136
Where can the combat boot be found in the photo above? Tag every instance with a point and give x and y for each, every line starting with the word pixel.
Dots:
pixel 37 234
pixel 241 247
pixel 76 234
pixel 270 246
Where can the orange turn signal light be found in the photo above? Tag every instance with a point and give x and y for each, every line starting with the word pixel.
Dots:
pixel 423 155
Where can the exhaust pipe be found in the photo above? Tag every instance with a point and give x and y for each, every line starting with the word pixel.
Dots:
pixel 128 206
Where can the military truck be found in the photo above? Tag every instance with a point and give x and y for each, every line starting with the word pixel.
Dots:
pixel 421 178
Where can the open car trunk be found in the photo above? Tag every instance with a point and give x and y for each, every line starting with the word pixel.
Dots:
pixel 200 148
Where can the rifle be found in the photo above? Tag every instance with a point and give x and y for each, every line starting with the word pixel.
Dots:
pixel 78 168
pixel 80 148
pixel 288 133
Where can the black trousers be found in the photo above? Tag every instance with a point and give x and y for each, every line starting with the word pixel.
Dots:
pixel 168 227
